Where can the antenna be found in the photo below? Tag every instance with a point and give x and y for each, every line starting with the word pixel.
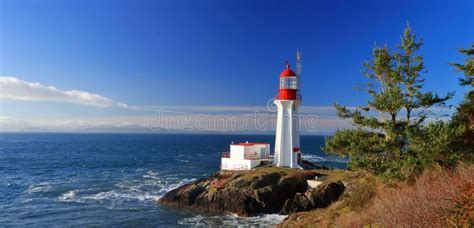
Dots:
pixel 298 62
pixel 299 56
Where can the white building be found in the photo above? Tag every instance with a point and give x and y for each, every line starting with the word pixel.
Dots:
pixel 245 156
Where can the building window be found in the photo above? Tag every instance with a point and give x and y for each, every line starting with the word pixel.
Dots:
pixel 288 83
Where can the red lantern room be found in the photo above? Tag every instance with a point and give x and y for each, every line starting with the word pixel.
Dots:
pixel 288 85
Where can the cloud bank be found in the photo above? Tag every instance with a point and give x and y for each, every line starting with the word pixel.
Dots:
pixel 157 119
pixel 162 122
pixel 14 88
pixel 182 119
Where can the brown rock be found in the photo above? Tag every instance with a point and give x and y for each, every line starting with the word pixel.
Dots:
pixel 323 195
pixel 264 190
pixel 319 197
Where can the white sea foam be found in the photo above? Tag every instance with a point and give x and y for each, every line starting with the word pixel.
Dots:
pixel 233 220
pixel 151 173
pixel 69 196
pixel 162 184
pixel 40 187
pixel 27 200
pixel 182 160
pixel 316 158
pixel 149 189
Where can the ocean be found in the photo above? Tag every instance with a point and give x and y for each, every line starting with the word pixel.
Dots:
pixel 77 180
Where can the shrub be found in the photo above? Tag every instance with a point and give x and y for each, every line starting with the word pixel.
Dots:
pixel 440 197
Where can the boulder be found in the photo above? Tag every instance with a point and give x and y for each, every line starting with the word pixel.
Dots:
pixel 307 165
pixel 323 195
pixel 319 197
pixel 299 203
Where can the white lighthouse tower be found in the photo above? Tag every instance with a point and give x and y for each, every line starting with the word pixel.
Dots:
pixel 287 141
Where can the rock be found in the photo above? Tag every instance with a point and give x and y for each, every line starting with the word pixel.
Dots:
pixel 299 203
pixel 307 165
pixel 187 194
pixel 325 194
pixel 319 197
pixel 264 190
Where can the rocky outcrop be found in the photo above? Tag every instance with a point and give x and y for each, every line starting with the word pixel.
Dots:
pixel 307 165
pixel 264 190
pixel 319 197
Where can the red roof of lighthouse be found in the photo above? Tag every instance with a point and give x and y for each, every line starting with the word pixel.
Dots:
pixel 287 72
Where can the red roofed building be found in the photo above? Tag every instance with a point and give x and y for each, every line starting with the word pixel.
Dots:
pixel 245 156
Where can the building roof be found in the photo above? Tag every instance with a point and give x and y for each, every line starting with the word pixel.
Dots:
pixel 250 144
pixel 287 72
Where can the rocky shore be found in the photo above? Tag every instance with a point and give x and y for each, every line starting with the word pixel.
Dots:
pixel 263 190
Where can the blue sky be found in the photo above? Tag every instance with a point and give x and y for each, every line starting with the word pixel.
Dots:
pixel 209 53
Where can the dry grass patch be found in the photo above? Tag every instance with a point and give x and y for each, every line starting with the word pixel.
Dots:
pixel 439 198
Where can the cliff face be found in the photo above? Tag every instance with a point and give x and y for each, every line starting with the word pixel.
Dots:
pixel 264 190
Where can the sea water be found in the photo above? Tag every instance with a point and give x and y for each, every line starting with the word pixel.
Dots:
pixel 76 180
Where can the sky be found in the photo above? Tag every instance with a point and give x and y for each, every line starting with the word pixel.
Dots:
pixel 118 66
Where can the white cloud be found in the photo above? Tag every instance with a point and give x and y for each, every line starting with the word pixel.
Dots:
pixel 14 88
pixel 12 124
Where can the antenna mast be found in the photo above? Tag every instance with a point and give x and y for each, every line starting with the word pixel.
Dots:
pixel 298 68
pixel 298 62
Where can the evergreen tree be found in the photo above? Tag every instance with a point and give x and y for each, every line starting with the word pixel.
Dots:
pixel 394 115
pixel 465 111
pixel 467 68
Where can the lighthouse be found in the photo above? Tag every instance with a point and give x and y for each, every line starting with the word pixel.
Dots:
pixel 249 155
pixel 287 140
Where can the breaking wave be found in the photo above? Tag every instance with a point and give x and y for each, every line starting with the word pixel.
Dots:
pixel 148 189
pixel 181 160
pixel 232 220
pixel 40 187
pixel 317 158
pixel 114 195
pixel 69 196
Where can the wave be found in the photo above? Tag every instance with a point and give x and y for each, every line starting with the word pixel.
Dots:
pixel 181 160
pixel 148 189
pixel 317 158
pixel 69 196
pixel 232 220
pixel 27 200
pixel 40 187
pixel 151 174
pixel 115 196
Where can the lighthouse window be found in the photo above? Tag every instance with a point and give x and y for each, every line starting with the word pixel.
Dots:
pixel 288 83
